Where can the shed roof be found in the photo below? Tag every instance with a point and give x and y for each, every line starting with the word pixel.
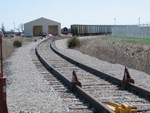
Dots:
pixel 43 20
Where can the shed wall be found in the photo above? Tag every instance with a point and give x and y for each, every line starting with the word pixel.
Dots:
pixel 45 23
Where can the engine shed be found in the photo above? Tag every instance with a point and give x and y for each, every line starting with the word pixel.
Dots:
pixel 42 26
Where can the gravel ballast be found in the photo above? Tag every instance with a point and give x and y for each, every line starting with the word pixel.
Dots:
pixel 27 90
pixel 141 79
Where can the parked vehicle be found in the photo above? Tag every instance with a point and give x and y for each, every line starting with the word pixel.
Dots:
pixel 65 30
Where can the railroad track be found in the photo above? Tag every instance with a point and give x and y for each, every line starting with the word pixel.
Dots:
pixel 72 102
pixel 97 88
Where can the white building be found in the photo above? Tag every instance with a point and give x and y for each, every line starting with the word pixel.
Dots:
pixel 42 25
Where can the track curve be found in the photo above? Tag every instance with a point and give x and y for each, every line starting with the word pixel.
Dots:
pixel 99 86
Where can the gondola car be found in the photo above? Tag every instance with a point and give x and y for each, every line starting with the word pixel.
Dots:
pixel 90 29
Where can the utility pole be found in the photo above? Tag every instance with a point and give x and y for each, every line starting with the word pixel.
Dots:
pixel 139 20
pixel 114 21
pixel 14 27
pixel 3 98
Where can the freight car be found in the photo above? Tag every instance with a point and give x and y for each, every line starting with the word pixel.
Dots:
pixel 90 29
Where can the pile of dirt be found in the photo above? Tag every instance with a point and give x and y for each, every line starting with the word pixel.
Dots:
pixel 134 56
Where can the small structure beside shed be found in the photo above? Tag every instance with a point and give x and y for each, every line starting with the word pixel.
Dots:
pixel 42 26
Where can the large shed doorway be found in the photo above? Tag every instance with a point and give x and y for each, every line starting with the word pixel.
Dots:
pixel 53 30
pixel 37 30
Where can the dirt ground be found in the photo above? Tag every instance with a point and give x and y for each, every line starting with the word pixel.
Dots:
pixel 134 56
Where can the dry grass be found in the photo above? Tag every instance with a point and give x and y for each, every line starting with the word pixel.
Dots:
pixel 135 56
pixel 8 48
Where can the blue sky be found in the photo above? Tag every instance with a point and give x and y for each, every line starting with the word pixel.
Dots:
pixel 69 12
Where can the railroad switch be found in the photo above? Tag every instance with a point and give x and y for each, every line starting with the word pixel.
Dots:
pixel 122 108
pixel 75 80
pixel 127 78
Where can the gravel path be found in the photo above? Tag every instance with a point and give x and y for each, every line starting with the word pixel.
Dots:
pixel 27 90
pixel 141 79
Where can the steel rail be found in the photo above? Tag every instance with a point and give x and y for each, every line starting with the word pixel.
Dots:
pixel 131 87
pixel 99 106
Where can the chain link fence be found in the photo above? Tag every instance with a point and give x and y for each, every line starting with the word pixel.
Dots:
pixel 137 31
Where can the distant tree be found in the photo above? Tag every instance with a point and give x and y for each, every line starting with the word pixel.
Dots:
pixel 12 31
pixel 18 29
pixel 22 28
pixel 3 29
